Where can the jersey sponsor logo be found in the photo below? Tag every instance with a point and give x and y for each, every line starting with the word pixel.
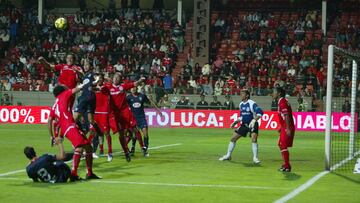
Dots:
pixel 136 105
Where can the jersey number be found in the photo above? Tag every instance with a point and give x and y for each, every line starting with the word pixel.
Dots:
pixel 44 174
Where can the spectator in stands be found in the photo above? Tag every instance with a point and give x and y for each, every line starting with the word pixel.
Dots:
pixel 274 105
pixel 346 107
pixel 168 83
pixel 301 105
pixel 6 100
pixel 6 86
pixel 218 90
pixel 202 104
pixel 206 69
pixel 215 104
pixel 228 104
pixel 208 87
pixel 164 102
pixel 279 82
pixel 182 103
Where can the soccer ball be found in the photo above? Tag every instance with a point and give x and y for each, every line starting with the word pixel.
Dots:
pixel 60 23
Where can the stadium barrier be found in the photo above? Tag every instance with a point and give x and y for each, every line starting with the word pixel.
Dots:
pixel 173 118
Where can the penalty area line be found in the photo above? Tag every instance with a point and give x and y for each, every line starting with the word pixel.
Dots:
pixel 188 185
pixel 166 184
pixel 301 188
pixel 153 148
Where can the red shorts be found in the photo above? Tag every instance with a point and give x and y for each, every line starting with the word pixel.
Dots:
pixel 126 119
pixel 103 122
pixel 113 125
pixel 76 138
pixel 284 140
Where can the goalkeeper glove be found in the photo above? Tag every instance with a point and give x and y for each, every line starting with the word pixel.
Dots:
pixel 252 123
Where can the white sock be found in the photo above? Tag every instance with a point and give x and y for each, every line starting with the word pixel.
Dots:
pixel 231 148
pixel 255 149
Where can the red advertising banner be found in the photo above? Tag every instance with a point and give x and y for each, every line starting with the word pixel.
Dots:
pixel 173 118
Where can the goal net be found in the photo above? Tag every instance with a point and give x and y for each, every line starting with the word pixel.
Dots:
pixel 342 140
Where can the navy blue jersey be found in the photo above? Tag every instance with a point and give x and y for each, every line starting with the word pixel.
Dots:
pixel 87 92
pixel 47 169
pixel 136 103
pixel 248 111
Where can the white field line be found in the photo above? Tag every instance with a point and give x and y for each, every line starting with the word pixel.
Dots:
pixel 166 184
pixel 301 188
pixel 188 185
pixel 154 148
pixel 310 182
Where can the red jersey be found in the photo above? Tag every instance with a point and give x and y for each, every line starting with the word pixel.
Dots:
pixel 102 103
pixel 117 95
pixel 284 109
pixel 62 110
pixel 68 75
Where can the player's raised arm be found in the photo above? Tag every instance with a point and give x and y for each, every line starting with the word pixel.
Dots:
pixel 79 72
pixel 43 61
pixel 79 87
pixel 153 104
pixel 136 83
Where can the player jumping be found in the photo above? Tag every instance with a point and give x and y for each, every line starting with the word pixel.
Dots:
pixel 136 101
pixel 69 73
pixel 101 117
pixel 250 113
pixel 121 111
pixel 287 127
pixel 87 103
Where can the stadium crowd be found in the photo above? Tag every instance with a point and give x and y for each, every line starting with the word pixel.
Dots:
pixel 253 50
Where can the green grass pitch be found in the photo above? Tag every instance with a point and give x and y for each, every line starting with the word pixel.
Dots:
pixel 183 167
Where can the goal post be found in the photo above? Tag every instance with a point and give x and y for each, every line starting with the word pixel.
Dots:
pixel 341 146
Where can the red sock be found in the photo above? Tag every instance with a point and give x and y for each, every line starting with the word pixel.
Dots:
pixel 122 141
pixel 285 156
pixel 139 138
pixel 76 161
pixel 89 162
pixel 108 139
pixel 101 148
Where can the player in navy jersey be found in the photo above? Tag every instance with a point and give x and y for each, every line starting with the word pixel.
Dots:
pixel 86 105
pixel 136 102
pixel 250 113
pixel 48 168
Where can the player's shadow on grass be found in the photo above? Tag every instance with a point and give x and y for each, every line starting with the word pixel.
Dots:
pixel 291 176
pixel 347 177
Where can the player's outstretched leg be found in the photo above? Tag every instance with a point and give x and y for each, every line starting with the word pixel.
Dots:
pixel 231 147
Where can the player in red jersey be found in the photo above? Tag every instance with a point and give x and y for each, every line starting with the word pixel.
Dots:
pixel 287 127
pixel 69 73
pixel 62 112
pixel 120 108
pixel 101 117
